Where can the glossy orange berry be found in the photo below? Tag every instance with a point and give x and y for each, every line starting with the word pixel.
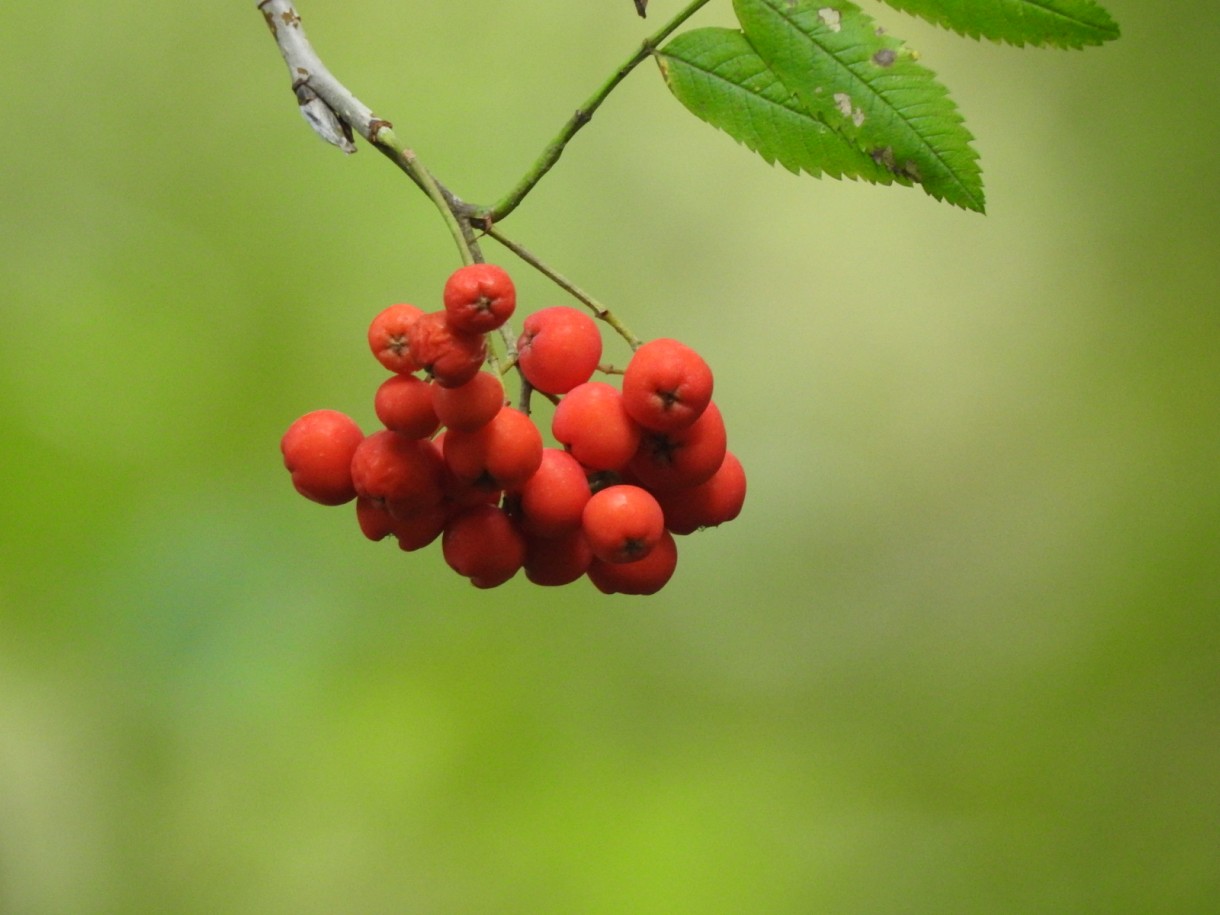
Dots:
pixel 622 523
pixel 479 298
pixel 317 450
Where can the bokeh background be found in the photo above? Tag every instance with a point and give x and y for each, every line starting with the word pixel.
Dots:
pixel 959 653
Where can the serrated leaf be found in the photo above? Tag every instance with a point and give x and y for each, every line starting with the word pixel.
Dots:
pixel 717 75
pixel 868 86
pixel 1057 23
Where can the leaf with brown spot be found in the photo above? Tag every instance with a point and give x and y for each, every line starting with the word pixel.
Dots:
pixel 868 87
pixel 717 75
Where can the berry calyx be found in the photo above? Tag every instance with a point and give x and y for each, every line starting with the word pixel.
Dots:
pixel 644 576
pixel 501 454
pixel 683 457
pixel 479 298
pixel 388 337
pixel 666 385
pixel 622 523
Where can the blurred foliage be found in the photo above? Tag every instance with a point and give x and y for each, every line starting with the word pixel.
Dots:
pixel 959 654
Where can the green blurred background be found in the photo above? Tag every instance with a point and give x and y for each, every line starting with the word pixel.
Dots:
pixel 959 654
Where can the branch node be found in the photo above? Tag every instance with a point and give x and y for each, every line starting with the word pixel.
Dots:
pixel 376 125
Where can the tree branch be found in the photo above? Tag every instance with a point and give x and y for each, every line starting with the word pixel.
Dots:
pixel 314 84
pixel 334 112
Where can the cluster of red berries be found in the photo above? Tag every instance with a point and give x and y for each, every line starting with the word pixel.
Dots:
pixel 633 467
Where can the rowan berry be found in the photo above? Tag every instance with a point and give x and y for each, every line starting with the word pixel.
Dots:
pixel 388 337
pixel 592 423
pixel 666 385
pixel 412 532
pixel 417 530
pixel 637 466
pixel 471 405
pixel 479 298
pixel 464 493
pixel 554 561
pixel 317 450
pixel 622 523
pixel 483 544
pixel 501 454
pixel 375 522
pixel 683 457
pixel 404 403
pixel 402 474
pixel 553 498
pixel 708 504
pixel 558 349
pixel 450 357
pixel 644 576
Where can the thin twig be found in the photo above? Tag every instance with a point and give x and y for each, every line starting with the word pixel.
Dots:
pixel 491 215
pixel 600 311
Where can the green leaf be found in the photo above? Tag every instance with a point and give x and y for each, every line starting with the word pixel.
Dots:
pixel 867 86
pixel 717 75
pixel 1058 23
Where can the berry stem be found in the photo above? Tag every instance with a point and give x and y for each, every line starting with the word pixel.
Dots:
pixel 457 228
pixel 523 398
pixel 581 117
pixel 601 312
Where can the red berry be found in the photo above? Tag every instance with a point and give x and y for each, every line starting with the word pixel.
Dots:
pixel 403 474
pixel 553 499
pixel 451 358
pixel 471 405
pixel 388 337
pixel 685 457
pixel 558 349
pixel 375 522
pixel 708 504
pixel 593 425
pixel 622 523
pixel 645 576
pixel 502 454
pixel 666 385
pixel 484 545
pixel 318 451
pixel 464 493
pixel 416 531
pixel 404 403
pixel 479 298
pixel 412 532
pixel 554 561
